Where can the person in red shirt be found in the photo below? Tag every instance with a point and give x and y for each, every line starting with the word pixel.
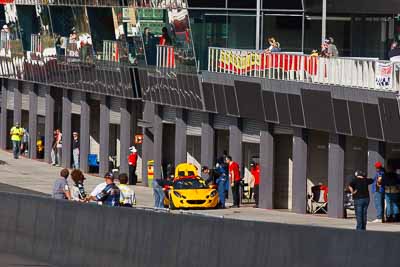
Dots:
pixel 165 39
pixel 255 171
pixel 234 179
pixel 132 160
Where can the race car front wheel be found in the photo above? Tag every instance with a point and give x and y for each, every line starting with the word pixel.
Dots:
pixel 171 204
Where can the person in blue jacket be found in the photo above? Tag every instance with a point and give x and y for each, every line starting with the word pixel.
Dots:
pixel 223 184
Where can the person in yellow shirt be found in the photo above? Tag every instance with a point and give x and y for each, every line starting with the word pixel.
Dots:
pixel 16 134
pixel 127 196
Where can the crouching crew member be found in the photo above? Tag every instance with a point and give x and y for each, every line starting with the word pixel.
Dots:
pixel 218 177
pixel 110 195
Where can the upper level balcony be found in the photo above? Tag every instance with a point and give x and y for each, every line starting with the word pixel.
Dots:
pixel 367 73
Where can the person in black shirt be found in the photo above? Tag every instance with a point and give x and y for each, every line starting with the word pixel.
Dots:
pixel 359 189
pixel 391 183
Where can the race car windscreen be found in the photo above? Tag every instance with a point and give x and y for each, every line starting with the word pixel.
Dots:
pixel 190 184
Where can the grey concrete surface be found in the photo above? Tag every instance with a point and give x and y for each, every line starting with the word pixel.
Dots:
pixel 12 260
pixel 36 176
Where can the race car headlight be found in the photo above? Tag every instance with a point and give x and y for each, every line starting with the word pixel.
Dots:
pixel 178 194
pixel 213 193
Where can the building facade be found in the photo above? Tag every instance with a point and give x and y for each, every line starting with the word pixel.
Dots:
pixel 113 69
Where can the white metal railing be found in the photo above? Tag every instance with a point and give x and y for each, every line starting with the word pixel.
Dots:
pixel 5 43
pixel 369 73
pixel 36 44
pixel 165 56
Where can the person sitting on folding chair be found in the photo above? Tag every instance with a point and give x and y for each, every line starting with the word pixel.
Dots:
pixel 319 199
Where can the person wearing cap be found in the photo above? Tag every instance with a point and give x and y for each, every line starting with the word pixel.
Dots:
pixel 75 150
pixel 61 189
pixel 359 189
pixel 379 191
pixel 132 161
pixel 107 193
pixel 78 192
pixel 255 171
pixel 16 134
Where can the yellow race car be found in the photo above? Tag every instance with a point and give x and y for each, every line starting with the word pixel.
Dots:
pixel 189 193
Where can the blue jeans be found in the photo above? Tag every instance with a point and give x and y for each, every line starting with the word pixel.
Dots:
pixel 16 148
pixel 379 200
pixel 221 193
pixel 361 207
pixel 392 204
pixel 158 195
pixel 75 156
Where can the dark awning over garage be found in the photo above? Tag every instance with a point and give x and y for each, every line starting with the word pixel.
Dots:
pixel 355 6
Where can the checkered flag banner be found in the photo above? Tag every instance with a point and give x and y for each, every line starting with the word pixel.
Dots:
pixel 384 75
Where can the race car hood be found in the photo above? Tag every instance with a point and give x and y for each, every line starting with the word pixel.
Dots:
pixel 195 193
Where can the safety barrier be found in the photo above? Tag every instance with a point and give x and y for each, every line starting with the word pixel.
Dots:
pixel 351 72
pixel 165 56
pixel 75 234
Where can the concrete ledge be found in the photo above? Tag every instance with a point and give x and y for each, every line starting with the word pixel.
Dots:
pixel 74 234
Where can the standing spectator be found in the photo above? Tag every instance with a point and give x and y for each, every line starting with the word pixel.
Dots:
pixel 391 184
pixel 394 53
pixel 59 145
pixel 56 148
pixel 149 42
pixel 110 194
pixel 158 192
pixel 128 198
pixel 132 162
pixel 78 192
pixel 54 159
pixel 329 49
pixel 255 171
pixel 165 38
pixel 332 49
pixel 234 179
pixel 359 189
pixel 379 191
pixel 274 46
pixel 61 189
pixel 16 134
pixel 324 48
pixel 75 150
pixel 25 143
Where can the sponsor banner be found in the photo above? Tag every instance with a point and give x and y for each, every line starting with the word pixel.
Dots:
pixel 384 75
pixel 2 2
pixel 241 62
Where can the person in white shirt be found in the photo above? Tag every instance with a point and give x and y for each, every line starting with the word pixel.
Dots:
pixel 97 190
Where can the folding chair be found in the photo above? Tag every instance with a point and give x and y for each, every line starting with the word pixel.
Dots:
pixel 318 199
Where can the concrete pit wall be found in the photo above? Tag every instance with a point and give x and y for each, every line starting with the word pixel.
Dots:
pixel 74 234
